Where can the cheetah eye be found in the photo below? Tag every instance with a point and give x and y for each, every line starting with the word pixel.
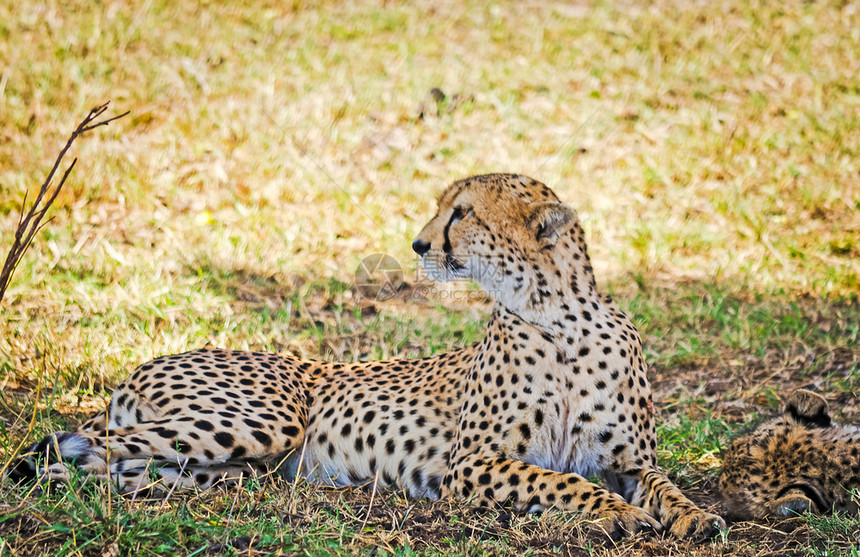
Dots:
pixel 459 214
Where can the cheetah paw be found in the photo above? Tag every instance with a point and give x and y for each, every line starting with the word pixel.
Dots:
pixel 697 525
pixel 626 520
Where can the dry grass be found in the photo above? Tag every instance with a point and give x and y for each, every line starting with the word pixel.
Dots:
pixel 313 520
pixel 711 150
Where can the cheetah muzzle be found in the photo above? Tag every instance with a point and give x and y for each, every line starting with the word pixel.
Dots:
pixel 555 392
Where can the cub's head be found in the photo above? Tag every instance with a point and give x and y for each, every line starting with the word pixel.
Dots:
pixel 776 470
pixel 509 233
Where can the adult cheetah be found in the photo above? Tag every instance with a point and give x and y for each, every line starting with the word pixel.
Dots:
pixel 554 393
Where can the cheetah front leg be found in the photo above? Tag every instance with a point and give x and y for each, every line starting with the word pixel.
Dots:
pixel 656 493
pixel 490 481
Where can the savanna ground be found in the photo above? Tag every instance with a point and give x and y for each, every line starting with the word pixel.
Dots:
pixel 711 149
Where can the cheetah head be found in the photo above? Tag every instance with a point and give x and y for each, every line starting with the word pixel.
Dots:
pixel 775 471
pixel 509 233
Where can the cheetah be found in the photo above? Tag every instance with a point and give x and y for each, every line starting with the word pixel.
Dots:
pixel 799 462
pixel 556 392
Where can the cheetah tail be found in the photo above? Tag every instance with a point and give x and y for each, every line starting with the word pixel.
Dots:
pixel 55 448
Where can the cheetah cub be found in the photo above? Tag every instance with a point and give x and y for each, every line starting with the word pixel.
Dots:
pixel 800 462
pixel 554 393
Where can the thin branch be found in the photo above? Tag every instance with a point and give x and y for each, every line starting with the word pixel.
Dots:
pixel 30 220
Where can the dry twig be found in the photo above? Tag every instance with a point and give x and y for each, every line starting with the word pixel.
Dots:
pixel 31 222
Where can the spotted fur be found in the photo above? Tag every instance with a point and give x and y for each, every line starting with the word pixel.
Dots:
pixel 554 393
pixel 799 462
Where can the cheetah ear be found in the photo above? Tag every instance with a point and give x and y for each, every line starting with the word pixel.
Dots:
pixel 550 220
pixel 807 409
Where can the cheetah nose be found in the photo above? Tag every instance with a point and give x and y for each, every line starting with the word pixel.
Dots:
pixel 421 247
